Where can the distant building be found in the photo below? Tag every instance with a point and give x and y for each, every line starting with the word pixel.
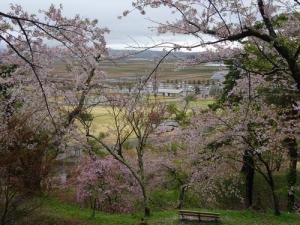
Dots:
pixel 215 90
pixel 169 91
pixel 202 90
pixel 167 126
pixel 219 76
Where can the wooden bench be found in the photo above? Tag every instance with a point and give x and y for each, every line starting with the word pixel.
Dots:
pixel 198 216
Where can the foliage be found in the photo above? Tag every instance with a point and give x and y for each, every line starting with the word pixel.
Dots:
pixel 133 117
pixel 35 127
pixel 27 79
pixel 272 25
pixel 106 184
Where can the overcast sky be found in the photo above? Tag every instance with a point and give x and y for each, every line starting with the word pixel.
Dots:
pixel 123 31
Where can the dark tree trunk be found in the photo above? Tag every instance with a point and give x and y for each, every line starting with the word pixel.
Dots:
pixel 295 68
pixel 181 196
pixel 248 171
pixel 145 202
pixel 5 210
pixel 292 172
pixel 292 60
pixel 32 179
pixel 94 207
pixel 271 183
pixel 275 200
pixel 32 184
pixel 33 171
pixel 147 211
pixel 142 180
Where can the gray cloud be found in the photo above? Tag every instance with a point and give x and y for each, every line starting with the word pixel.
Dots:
pixel 123 31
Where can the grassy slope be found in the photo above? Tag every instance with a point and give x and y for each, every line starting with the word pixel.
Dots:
pixel 57 212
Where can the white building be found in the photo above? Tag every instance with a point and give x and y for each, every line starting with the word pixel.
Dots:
pixel 169 92
pixel 219 76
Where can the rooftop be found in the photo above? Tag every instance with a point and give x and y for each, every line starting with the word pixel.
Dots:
pixel 169 90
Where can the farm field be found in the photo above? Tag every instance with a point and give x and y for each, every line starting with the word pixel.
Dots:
pixel 103 119
pixel 168 71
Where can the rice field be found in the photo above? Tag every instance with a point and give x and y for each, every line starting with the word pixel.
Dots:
pixel 168 71
pixel 103 119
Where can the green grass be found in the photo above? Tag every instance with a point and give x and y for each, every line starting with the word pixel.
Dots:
pixel 62 210
pixel 202 102
pixel 63 213
pixel 298 143
pixel 55 209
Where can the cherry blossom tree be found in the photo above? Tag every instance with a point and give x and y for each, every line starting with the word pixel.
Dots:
pixel 184 161
pixel 182 166
pixel 25 34
pixel 106 183
pixel 25 150
pixel 271 26
pixel 37 46
pixel 251 125
pixel 134 118
pixel 218 23
pixel 281 93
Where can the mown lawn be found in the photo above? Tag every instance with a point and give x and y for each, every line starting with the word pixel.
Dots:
pixel 55 212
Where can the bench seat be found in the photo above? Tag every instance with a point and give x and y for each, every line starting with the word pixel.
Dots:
pixel 198 216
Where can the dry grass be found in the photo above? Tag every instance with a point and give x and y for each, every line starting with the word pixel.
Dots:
pixel 103 120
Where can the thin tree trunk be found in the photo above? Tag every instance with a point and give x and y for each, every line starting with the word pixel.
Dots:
pixel 145 202
pixel 5 210
pixel 275 201
pixel 292 172
pixel 274 196
pixel 94 207
pixel 143 183
pixel 181 196
pixel 249 171
pixel 269 179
